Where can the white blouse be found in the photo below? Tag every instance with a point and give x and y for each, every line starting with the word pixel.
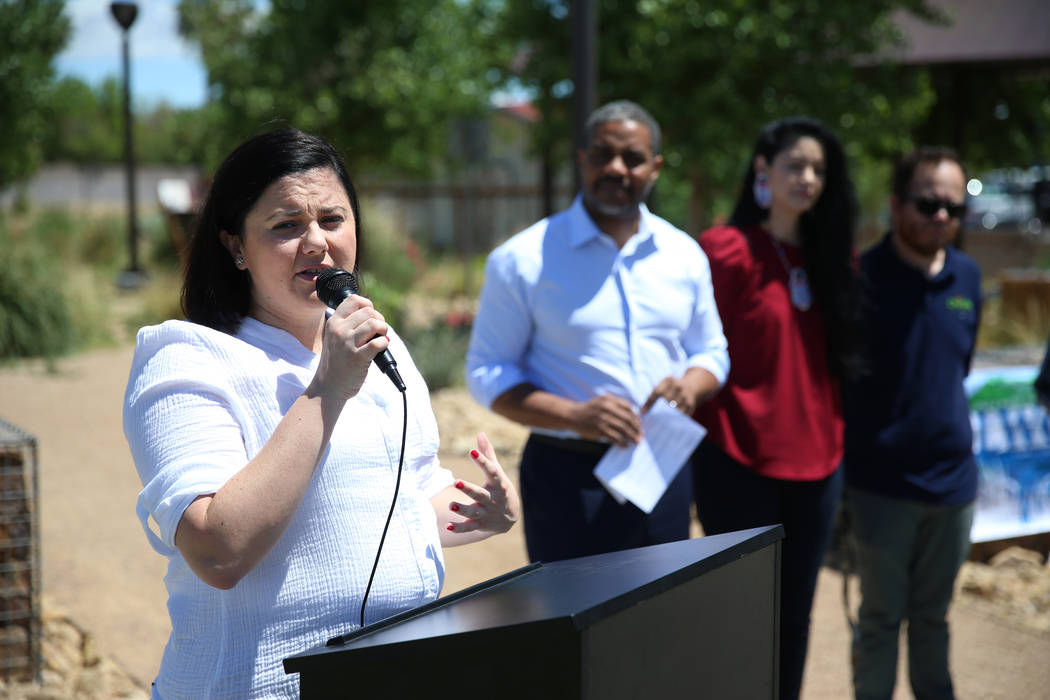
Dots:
pixel 199 405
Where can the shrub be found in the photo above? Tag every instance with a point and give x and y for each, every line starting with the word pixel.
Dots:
pixel 102 242
pixel 439 352
pixel 999 328
pixel 35 317
pixel 158 302
pixel 386 298
pixel 52 298
pixel 52 229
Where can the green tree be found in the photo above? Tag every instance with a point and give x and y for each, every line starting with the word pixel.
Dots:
pixel 178 136
pixel 713 72
pixel 84 125
pixel 994 116
pixel 529 43
pixel 381 80
pixel 34 31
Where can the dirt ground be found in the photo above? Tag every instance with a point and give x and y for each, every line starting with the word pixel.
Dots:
pixel 97 566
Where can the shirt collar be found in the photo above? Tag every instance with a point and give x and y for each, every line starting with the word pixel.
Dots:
pixel 943 277
pixel 582 228
pixel 282 343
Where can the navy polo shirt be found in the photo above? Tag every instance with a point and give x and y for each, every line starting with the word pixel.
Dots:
pixel 908 420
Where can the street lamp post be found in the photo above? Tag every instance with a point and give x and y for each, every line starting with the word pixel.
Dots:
pixel 125 13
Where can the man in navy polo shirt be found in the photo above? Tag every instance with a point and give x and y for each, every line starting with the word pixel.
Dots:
pixel 910 471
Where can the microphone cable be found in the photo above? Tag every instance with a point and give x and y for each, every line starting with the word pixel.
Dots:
pixel 333 285
pixel 393 502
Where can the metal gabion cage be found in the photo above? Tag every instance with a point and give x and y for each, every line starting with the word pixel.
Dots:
pixel 20 625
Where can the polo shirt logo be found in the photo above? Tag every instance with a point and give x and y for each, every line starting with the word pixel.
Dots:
pixel 959 303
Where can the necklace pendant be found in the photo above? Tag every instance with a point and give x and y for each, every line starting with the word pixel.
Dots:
pixel 798 287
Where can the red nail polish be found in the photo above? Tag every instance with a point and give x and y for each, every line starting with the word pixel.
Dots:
pixel 450 527
pixel 459 484
pixel 454 506
pixel 474 454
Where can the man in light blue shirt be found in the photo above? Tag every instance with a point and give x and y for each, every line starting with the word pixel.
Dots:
pixel 586 319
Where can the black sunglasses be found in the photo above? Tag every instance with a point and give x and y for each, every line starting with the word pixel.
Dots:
pixel 927 206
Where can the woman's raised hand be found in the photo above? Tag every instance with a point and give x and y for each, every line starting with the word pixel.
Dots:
pixel 495 505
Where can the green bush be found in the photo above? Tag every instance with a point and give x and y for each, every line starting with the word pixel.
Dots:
pixel 159 241
pixel 103 242
pixel 100 240
pixel 158 302
pixel 382 250
pixel 52 229
pixel 439 353
pixel 57 291
pixel 388 272
pixel 35 316
pixel 387 299
pixel 53 299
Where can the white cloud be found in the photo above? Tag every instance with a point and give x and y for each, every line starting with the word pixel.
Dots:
pixel 153 35
pixel 165 68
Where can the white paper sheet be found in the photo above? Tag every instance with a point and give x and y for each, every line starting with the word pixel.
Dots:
pixel 641 473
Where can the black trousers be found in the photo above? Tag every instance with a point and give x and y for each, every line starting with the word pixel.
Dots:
pixel 569 514
pixel 731 497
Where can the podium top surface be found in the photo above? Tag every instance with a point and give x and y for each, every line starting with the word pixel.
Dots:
pixel 574 592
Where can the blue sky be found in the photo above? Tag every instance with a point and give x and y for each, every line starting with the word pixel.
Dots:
pixel 163 66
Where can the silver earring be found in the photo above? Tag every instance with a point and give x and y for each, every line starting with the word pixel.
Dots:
pixel 239 261
pixel 763 197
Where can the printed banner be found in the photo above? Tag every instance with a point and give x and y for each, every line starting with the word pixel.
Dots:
pixel 1011 439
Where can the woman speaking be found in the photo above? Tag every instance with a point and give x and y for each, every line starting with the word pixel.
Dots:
pixel 270 448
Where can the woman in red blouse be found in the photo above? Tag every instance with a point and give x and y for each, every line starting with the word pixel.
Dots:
pixel 787 291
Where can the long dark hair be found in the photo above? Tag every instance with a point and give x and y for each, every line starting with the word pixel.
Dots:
pixel 826 236
pixel 214 292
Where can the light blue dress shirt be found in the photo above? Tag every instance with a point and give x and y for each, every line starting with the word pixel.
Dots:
pixel 566 310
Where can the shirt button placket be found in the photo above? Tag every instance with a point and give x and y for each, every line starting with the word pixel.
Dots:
pixel 630 336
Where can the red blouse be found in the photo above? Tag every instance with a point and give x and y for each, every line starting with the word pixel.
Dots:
pixel 779 413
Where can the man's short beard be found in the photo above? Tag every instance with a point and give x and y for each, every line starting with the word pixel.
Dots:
pixel 628 210
pixel 910 236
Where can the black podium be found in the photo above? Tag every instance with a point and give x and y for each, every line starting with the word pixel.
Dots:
pixel 692 619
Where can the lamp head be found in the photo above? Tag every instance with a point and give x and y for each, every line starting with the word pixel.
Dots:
pixel 124 13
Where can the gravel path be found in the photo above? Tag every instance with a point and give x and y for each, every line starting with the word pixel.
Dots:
pixel 98 567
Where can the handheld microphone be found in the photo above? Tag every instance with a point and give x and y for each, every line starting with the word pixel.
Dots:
pixel 335 284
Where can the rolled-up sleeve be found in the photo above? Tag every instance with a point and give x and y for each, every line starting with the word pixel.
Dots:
pixel 182 432
pixel 501 332
pixel 704 340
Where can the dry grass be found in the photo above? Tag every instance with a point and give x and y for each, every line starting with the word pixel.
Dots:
pixel 1023 324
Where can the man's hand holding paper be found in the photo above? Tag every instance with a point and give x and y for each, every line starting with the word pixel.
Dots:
pixel 640 473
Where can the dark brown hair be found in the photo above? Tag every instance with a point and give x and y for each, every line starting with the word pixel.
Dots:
pixel 904 170
pixel 826 235
pixel 214 292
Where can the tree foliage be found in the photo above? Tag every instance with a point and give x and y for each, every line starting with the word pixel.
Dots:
pixel 749 67
pixel 713 72
pixel 993 117
pixel 381 80
pixel 85 125
pixel 530 45
pixel 34 31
